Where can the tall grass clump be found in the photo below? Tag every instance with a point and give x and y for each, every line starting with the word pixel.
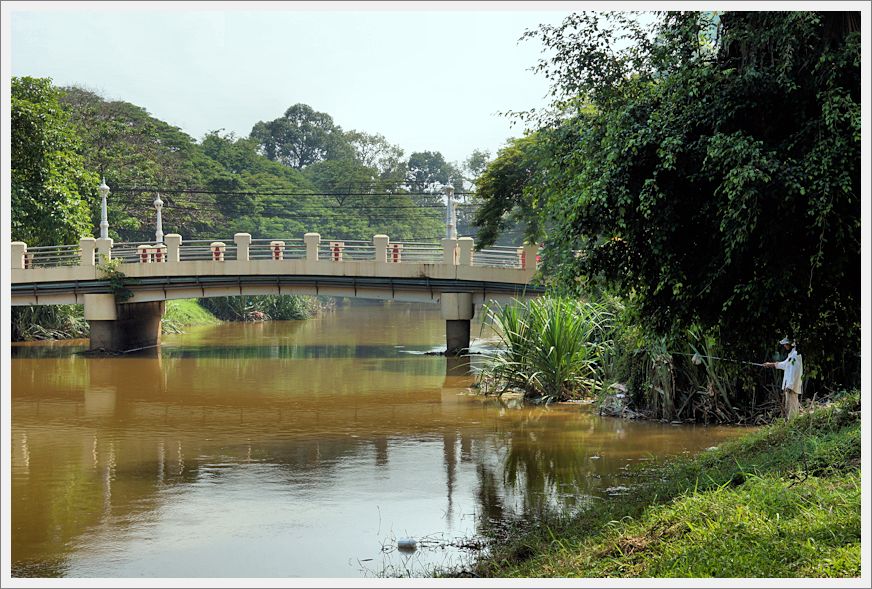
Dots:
pixel 49 322
pixel 552 348
pixel 681 375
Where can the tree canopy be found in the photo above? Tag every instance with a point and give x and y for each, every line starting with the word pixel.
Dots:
pixel 51 185
pixel 211 188
pixel 302 136
pixel 708 170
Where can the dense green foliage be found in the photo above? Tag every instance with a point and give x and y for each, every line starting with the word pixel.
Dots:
pixel 552 348
pixel 51 184
pixel 508 189
pixel 260 307
pixel 298 173
pixel 301 137
pixel 48 322
pixel 783 501
pixel 311 176
pixel 708 171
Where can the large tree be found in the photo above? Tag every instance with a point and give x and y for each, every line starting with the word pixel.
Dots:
pixel 428 172
pixel 302 136
pixel 711 170
pixel 508 191
pixel 374 151
pixel 50 185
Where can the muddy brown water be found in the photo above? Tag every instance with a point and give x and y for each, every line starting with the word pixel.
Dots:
pixel 292 449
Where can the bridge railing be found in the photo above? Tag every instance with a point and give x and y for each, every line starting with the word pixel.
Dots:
pixel 346 250
pixel 277 249
pixel 336 250
pixel 417 253
pixel 53 255
pixel 499 256
pixel 202 249
pixel 127 251
pixel 355 250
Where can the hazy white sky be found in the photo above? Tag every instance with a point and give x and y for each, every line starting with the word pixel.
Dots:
pixel 424 79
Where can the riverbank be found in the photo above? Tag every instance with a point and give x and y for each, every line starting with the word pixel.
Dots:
pixel 62 322
pixel 783 501
pixel 184 313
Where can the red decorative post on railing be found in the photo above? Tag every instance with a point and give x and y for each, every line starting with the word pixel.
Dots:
pixel 336 248
pixel 217 248
pixel 278 250
pixel 143 254
pixel 396 252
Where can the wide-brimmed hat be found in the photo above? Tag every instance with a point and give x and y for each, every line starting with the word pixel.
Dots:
pixel 784 341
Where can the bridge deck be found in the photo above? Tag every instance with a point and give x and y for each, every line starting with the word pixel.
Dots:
pixel 61 280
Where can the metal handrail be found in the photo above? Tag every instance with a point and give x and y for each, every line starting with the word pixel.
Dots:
pixel 260 249
pixel 294 248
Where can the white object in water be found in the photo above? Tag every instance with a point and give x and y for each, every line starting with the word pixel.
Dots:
pixel 407 544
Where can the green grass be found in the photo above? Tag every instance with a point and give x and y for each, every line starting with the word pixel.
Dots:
pixel 183 313
pixel 781 502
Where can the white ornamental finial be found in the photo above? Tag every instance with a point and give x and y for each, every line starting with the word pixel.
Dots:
pixel 104 218
pixel 450 214
pixel 158 234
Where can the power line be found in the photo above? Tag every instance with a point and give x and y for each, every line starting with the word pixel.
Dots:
pixel 272 207
pixel 170 191
pixel 173 202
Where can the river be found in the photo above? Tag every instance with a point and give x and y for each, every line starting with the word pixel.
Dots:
pixel 292 449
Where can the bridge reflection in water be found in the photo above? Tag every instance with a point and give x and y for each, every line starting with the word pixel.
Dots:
pixel 295 451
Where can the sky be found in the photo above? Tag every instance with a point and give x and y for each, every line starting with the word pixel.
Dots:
pixel 425 79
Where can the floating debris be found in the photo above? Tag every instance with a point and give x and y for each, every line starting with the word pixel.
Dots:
pixel 407 544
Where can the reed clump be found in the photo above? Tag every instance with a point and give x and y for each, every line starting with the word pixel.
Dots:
pixel 552 349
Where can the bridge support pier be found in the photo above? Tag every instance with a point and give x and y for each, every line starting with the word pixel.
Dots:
pixel 457 310
pixel 122 327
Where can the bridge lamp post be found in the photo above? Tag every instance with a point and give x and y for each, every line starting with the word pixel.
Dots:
pixel 450 213
pixel 104 219
pixel 158 234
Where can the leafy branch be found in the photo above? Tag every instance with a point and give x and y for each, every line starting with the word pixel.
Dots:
pixel 117 279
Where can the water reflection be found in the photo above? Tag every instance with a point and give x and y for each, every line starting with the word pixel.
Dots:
pixel 185 461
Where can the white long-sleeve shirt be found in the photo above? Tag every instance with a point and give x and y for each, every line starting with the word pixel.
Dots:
pixel 792 367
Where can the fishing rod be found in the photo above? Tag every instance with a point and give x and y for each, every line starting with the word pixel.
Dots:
pixel 696 358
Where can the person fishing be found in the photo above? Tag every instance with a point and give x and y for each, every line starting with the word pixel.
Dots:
pixel 792 383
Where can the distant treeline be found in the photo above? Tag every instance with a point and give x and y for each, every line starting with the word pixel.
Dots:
pixel 300 172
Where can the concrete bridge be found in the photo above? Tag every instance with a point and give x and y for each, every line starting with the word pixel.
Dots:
pixel 449 273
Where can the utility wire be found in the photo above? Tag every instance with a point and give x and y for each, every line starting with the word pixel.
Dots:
pixel 171 191
pixel 275 209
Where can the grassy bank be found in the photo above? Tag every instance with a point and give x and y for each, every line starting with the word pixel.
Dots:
pixel 185 313
pixel 56 322
pixel 781 502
